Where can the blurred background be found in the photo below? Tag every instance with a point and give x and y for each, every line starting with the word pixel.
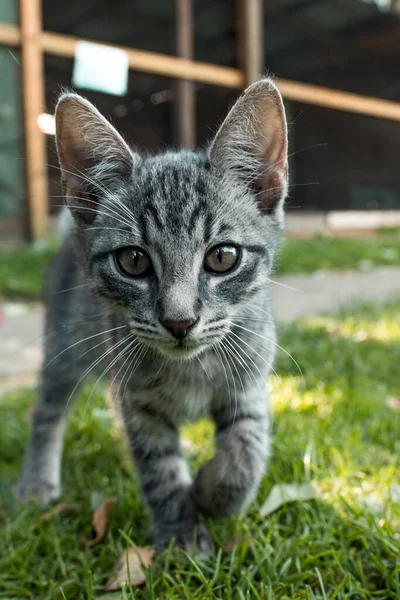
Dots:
pixel 338 67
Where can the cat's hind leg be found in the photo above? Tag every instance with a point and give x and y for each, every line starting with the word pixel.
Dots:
pixel 66 363
pixel 40 480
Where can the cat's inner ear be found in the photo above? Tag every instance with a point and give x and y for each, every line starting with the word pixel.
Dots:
pixel 251 145
pixel 91 152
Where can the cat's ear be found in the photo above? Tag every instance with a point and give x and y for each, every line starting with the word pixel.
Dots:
pixel 91 153
pixel 251 144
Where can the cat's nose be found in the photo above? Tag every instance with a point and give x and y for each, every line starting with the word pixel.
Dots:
pixel 179 329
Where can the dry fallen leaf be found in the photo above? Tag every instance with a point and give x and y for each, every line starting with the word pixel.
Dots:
pixel 101 519
pixel 287 492
pixel 393 402
pixel 130 568
pixel 56 510
pixel 336 333
pixel 231 545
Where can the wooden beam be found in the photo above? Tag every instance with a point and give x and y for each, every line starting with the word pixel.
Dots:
pixel 153 62
pixel 250 39
pixel 338 100
pixel 10 35
pixel 169 66
pixel 185 90
pixel 139 60
pixel 34 104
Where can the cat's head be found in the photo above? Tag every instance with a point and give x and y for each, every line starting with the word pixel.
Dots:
pixel 181 241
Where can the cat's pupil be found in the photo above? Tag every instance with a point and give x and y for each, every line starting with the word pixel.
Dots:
pixel 222 259
pixel 133 261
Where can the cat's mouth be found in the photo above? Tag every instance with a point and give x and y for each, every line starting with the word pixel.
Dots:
pixel 175 349
pixel 180 350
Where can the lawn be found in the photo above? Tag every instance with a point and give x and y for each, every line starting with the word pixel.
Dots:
pixel 330 253
pixel 295 256
pixel 334 426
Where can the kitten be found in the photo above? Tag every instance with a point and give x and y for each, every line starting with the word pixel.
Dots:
pixel 164 289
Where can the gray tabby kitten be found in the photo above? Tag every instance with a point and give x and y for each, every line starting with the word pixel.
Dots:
pixel 164 288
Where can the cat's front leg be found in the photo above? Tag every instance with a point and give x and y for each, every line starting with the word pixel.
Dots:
pixel 165 479
pixel 230 480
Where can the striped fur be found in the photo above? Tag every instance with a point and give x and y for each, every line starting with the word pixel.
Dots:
pixel 175 206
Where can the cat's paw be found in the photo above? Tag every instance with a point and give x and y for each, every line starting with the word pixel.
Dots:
pixel 39 492
pixel 196 541
pixel 219 497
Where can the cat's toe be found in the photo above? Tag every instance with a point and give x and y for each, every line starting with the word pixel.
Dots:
pixel 38 492
pixel 197 542
pixel 204 544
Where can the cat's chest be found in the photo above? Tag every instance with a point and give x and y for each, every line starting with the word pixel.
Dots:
pixel 183 391
pixel 187 393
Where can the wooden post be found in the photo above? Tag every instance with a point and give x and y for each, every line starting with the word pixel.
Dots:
pixel 185 89
pixel 34 104
pixel 251 39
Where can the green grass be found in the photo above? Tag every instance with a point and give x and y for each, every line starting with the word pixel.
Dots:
pixel 321 252
pixel 332 426
pixel 22 271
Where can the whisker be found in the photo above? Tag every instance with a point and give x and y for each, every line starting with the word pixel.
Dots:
pixel 237 351
pixel 81 342
pixel 107 369
pixel 292 185
pixel 93 365
pixel 204 369
pixel 269 365
pixel 97 345
pixel 97 212
pixel 51 333
pixel 110 212
pixel 76 287
pixel 274 343
pixel 216 349
pixel 249 357
pixel 108 195
pixel 223 352
pixel 138 345
pixel 133 365
pixel 284 285
pixel 232 354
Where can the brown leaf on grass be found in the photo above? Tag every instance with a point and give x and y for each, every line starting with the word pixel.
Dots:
pixel 393 403
pixel 101 519
pixel 56 510
pixel 231 545
pixel 129 568
pixel 336 333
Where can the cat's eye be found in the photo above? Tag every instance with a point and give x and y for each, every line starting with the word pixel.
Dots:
pixel 221 259
pixel 133 261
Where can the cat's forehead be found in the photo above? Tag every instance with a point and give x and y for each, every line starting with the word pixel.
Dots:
pixel 174 174
pixel 175 191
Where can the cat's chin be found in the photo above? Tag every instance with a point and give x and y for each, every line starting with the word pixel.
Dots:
pixel 179 352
